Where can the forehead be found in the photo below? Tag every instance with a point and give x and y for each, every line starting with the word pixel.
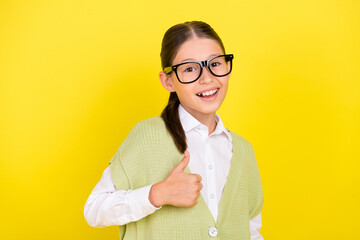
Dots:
pixel 197 49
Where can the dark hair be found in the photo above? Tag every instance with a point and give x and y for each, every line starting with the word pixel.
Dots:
pixel 173 39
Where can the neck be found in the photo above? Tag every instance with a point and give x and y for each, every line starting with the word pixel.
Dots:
pixel 207 119
pixel 210 123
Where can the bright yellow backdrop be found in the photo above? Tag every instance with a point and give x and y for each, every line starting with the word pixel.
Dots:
pixel 75 76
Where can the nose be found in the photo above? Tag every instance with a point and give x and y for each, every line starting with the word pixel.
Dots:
pixel 206 76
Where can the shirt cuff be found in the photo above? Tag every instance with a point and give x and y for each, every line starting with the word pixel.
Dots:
pixel 141 195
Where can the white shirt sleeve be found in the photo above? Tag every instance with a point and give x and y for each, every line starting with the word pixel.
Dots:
pixel 255 225
pixel 108 206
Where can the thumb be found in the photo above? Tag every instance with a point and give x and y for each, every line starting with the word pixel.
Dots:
pixel 184 162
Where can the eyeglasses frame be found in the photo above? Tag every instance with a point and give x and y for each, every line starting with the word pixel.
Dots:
pixel 228 57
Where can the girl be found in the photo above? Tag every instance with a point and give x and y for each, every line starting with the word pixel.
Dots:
pixel 183 175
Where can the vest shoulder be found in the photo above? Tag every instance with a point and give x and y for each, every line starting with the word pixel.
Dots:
pixel 149 126
pixel 148 130
pixel 151 122
pixel 241 142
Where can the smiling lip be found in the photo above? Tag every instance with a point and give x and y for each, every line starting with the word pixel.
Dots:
pixel 211 97
pixel 209 90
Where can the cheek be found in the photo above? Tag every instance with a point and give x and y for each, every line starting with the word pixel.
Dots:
pixel 185 92
pixel 225 88
pixel 225 83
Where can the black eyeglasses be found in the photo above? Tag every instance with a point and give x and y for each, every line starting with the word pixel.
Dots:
pixel 189 72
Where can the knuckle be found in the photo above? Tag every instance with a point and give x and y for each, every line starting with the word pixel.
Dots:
pixel 190 202
pixel 194 178
pixel 198 178
pixel 197 194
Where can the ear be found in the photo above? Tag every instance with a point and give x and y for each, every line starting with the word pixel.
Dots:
pixel 166 81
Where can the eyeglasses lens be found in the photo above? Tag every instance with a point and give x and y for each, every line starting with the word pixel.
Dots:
pixel 219 66
pixel 188 72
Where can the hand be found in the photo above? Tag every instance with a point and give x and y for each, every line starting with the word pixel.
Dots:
pixel 178 189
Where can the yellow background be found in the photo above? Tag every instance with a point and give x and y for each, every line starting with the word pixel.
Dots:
pixel 75 76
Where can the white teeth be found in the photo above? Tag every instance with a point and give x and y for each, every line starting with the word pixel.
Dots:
pixel 208 93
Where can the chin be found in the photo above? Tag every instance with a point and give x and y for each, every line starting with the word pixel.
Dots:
pixel 211 109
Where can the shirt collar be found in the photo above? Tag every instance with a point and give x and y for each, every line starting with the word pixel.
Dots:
pixel 188 122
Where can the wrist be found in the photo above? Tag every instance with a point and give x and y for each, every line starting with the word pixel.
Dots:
pixel 155 196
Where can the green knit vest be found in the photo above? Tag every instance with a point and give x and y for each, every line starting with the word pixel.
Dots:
pixel 149 154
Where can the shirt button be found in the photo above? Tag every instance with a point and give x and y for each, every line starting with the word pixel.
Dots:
pixel 210 166
pixel 213 232
pixel 212 196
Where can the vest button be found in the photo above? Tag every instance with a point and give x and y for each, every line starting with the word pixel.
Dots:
pixel 213 232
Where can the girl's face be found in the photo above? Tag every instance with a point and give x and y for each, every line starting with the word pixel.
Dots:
pixel 191 95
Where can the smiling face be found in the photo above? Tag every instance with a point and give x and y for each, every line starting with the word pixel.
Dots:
pixel 203 97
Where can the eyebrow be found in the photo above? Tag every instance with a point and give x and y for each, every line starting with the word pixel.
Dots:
pixel 192 59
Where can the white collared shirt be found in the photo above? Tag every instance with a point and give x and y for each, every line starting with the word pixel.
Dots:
pixel 210 157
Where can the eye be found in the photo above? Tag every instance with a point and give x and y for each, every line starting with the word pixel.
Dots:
pixel 215 64
pixel 190 69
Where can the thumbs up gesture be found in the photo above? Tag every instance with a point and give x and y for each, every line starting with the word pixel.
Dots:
pixel 178 189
